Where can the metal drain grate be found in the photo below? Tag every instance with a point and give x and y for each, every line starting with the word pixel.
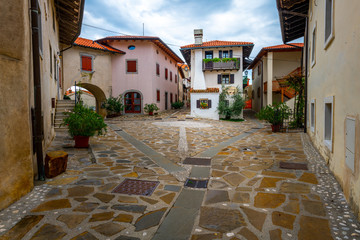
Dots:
pixel 296 166
pixel 158 118
pixel 136 187
pixel 197 161
pixel 193 183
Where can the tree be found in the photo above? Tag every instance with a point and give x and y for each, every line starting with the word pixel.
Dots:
pixel 233 108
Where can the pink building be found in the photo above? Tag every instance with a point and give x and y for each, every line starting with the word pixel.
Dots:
pixel 147 73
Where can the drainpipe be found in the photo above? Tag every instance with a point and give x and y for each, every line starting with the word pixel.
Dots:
pixel 262 85
pixel 306 72
pixel 38 123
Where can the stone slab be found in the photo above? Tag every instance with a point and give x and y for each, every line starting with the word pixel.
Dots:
pixel 129 208
pixel 85 236
pixel 173 188
pixel 283 219
pixel 22 227
pixel 200 172
pixel 256 218
pixel 190 199
pixel 269 200
pixel 314 228
pixel 53 205
pixel 149 219
pixel 216 196
pixel 108 229
pixel 48 231
pixel 72 220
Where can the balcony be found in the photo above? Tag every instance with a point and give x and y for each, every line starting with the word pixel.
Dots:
pixel 229 65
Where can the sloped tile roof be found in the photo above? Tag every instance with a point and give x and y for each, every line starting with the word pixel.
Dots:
pixel 156 40
pixel 83 42
pixel 280 48
pixel 217 43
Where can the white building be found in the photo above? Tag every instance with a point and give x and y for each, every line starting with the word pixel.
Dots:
pixel 213 64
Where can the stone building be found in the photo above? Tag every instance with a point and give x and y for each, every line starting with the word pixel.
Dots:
pixel 33 33
pixel 331 60
pixel 209 72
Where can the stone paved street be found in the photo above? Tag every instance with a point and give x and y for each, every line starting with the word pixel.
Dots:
pixel 261 185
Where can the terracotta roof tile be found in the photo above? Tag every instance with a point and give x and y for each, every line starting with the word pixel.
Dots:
pixel 284 46
pixel 217 43
pixel 83 42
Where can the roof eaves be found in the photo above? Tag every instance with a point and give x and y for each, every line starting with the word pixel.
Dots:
pixel 220 46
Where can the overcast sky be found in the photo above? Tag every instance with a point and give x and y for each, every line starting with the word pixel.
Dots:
pixel 173 21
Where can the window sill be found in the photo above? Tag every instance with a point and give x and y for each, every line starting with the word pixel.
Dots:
pixel 328 41
pixel 87 71
pixel 131 72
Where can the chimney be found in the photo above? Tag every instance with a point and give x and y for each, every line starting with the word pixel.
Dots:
pixel 198 35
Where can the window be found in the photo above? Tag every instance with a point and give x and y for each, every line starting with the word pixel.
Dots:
pixel 329 21
pixel 166 73
pixel 171 76
pixel 203 103
pixel 50 53
pixel 328 124
pixel 131 66
pixel 225 78
pixel 40 30
pixel 131 47
pixel 208 54
pixel 86 63
pixel 158 95
pixel 158 69
pixel 175 78
pixel 225 54
pixel 312 115
pixel 258 92
pixel 258 70
pixel 55 68
pixel 313 50
pixel 171 98
pixel 350 143
pixel 176 98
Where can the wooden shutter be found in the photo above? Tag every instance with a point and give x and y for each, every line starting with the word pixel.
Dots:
pixel 131 66
pixel 232 78
pixel 197 103
pixel 157 69
pixel 219 78
pixel 86 63
pixel 166 73
pixel 220 54
pixel 209 103
pixel 170 75
pixel 230 53
pixel 175 78
pixel 158 95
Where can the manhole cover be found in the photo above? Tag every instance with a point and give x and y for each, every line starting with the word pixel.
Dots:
pixel 196 183
pixel 197 161
pixel 297 166
pixel 136 187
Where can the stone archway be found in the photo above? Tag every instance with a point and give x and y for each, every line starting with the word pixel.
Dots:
pixel 99 96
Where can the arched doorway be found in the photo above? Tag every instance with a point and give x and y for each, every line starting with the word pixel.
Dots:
pixel 97 93
pixel 132 102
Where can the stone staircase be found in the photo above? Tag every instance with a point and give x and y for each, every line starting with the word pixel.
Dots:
pixel 61 107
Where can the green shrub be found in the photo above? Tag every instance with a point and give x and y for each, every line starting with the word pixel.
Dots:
pixel 114 105
pixel 177 104
pixel 84 122
pixel 274 114
pixel 233 109
pixel 66 97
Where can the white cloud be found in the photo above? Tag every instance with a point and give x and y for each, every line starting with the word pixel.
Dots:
pixel 174 21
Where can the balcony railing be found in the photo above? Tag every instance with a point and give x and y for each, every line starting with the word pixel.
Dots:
pixel 230 65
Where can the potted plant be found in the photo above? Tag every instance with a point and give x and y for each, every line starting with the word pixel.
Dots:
pixel 151 108
pixel 177 105
pixel 275 115
pixel 83 123
pixel 203 105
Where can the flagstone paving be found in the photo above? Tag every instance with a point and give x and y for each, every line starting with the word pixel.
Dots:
pixel 249 194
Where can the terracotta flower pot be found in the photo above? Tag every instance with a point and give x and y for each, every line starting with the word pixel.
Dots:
pixel 151 113
pixel 81 141
pixel 275 128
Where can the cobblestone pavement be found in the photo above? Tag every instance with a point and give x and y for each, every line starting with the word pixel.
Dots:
pixel 253 190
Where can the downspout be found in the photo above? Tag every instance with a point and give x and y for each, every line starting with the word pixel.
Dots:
pixel 306 72
pixel 262 85
pixel 38 123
